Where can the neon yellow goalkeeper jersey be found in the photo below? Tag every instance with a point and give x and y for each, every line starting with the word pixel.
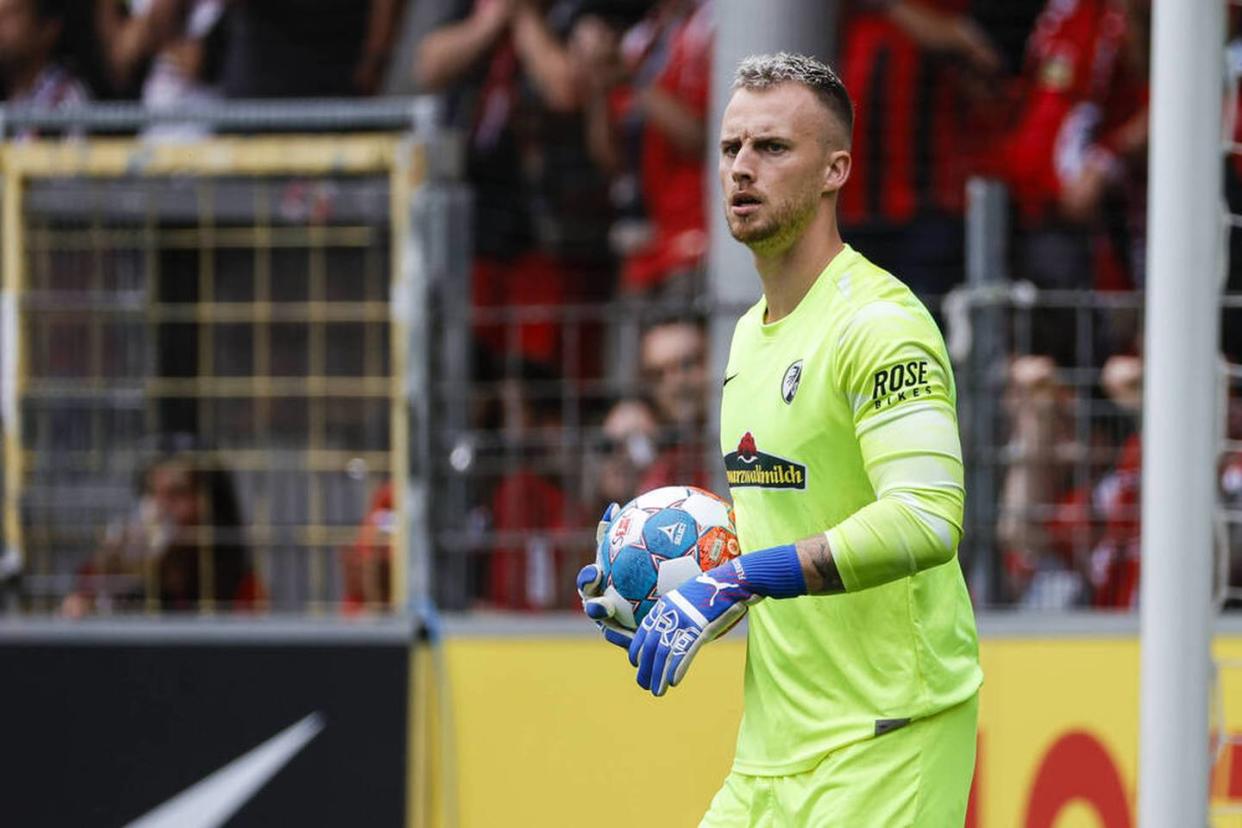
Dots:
pixel 841 417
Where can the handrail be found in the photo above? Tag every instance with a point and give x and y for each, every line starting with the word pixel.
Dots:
pixel 419 113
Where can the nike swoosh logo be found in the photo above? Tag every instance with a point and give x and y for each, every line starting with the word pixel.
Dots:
pixel 213 800
pixel 728 379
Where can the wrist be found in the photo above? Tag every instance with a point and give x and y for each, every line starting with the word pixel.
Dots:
pixel 772 573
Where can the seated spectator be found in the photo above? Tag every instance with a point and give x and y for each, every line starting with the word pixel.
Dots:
pixel 540 208
pixel 626 449
pixel 532 508
pixel 673 364
pixel 1041 451
pixel 187 523
pixel 1114 564
pixel 367 564
pixel 292 49
pixel 646 93
pixel 30 52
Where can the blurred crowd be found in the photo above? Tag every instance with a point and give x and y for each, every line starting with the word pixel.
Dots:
pixel 587 125
pixel 183 52
pixel 586 130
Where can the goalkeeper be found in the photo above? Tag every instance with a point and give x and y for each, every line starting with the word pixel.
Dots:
pixel 840 444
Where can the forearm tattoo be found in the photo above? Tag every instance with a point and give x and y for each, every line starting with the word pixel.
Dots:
pixel 817 551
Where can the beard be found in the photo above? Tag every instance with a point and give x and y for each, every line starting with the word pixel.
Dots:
pixel 782 224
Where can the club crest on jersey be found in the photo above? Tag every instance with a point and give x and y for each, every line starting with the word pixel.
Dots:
pixel 748 466
pixel 906 380
pixel 789 383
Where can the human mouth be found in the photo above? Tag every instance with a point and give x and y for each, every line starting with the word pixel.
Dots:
pixel 744 204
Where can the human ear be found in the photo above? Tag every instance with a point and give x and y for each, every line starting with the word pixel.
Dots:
pixel 837 170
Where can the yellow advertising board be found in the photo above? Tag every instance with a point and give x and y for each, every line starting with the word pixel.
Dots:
pixel 547 730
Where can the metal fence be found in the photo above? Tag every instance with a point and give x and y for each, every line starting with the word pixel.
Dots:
pixel 206 365
pixel 1049 402
pixel 294 314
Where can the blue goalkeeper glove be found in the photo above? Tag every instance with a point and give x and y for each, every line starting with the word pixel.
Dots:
pixel 599 606
pixel 706 607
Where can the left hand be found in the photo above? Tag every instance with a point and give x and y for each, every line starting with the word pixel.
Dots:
pixel 694 613
pixel 596 603
pixel 599 608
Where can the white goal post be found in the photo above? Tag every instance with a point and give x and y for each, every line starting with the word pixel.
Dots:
pixel 1180 423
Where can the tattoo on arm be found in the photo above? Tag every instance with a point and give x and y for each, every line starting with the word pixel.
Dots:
pixel 818 567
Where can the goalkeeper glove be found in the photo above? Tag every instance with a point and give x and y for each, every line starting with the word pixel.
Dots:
pixel 598 605
pixel 706 607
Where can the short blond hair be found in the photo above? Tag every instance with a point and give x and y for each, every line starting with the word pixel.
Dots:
pixel 766 71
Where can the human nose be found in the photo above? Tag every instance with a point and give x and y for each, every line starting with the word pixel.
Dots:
pixel 741 168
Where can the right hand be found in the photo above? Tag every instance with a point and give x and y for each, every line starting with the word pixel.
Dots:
pixel 596 604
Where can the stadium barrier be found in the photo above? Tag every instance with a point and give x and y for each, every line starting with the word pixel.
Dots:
pixel 549 725
pixel 524 723
pixel 266 295
pixel 203 722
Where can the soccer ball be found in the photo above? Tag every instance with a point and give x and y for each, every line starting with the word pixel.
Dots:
pixel 661 539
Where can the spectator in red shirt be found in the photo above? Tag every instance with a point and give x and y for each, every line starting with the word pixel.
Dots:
pixel 1115 559
pixel 646 92
pixel 1068 524
pixel 366 565
pixel 1083 115
pixel 1074 160
pixel 532 510
pixel 1115 500
pixel 540 205
pixel 915 67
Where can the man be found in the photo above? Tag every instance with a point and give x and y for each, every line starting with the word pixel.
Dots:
pixel 928 74
pixel 626 449
pixel 645 94
pixel 841 447
pixel 673 360
pixel 30 38
pixel 540 213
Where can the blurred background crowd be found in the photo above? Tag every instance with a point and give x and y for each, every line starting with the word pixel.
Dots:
pixel 586 132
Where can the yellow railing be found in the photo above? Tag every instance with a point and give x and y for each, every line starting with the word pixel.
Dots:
pixel 295 376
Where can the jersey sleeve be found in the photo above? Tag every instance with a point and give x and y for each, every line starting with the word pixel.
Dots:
pixel 891 364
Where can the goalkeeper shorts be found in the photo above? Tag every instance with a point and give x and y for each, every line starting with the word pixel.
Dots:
pixel 917 775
